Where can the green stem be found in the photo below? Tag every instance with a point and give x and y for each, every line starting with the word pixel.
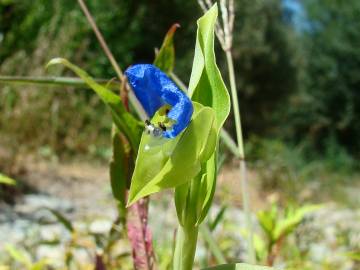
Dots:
pixel 242 167
pixel 185 248
pixel 235 103
pixel 229 142
pixel 178 81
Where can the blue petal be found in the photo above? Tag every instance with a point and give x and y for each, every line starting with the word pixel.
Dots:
pixel 154 89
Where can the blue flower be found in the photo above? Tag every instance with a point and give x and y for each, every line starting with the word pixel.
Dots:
pixel 154 89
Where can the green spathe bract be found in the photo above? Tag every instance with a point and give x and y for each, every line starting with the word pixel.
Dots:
pixel 206 87
pixel 155 171
pixel 173 162
pixel 188 162
pixel 165 59
pixel 193 198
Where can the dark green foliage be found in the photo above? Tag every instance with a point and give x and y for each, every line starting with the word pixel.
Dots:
pixel 295 85
pixel 328 107
pixel 266 62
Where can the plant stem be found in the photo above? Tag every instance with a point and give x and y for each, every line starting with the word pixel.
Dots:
pixel 185 248
pixel 242 167
pixel 229 142
pixel 235 104
pixel 101 39
pixel 136 104
pixel 178 81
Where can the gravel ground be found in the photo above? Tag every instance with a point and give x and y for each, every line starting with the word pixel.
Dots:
pixel 82 193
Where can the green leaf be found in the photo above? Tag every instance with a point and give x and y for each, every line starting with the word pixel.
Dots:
pixel 353 255
pixel 212 244
pixel 40 265
pixel 267 220
pixel 6 180
pixel 193 199
pixel 18 255
pixel 165 59
pixel 206 84
pixel 123 120
pixel 208 186
pixel 293 218
pixel 119 169
pixel 261 247
pixel 239 266
pixel 62 219
pixel 164 163
pixel 219 217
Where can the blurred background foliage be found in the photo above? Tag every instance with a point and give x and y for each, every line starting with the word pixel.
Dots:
pixel 297 67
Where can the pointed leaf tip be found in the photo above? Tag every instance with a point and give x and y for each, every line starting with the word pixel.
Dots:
pixel 55 61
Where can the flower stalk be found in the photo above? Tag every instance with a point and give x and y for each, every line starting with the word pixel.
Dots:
pixel 242 167
pixel 186 239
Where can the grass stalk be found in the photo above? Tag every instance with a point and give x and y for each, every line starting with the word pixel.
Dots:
pixel 224 33
pixel 242 167
pixel 57 81
pixel 133 100
pixel 178 81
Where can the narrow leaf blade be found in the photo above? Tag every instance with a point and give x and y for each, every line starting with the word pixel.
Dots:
pixel 119 170
pixel 122 119
pixel 165 59
pixel 206 84
pixel 6 180
pixel 62 219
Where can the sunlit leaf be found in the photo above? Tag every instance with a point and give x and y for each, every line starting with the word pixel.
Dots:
pixel 207 190
pixel 40 265
pixel 261 247
pixel 206 84
pixel 18 255
pixel 165 59
pixel 294 216
pixel 6 180
pixel 355 256
pixel 267 220
pixel 193 200
pixel 123 120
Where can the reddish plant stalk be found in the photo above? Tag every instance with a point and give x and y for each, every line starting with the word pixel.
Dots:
pixel 137 215
pixel 140 235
